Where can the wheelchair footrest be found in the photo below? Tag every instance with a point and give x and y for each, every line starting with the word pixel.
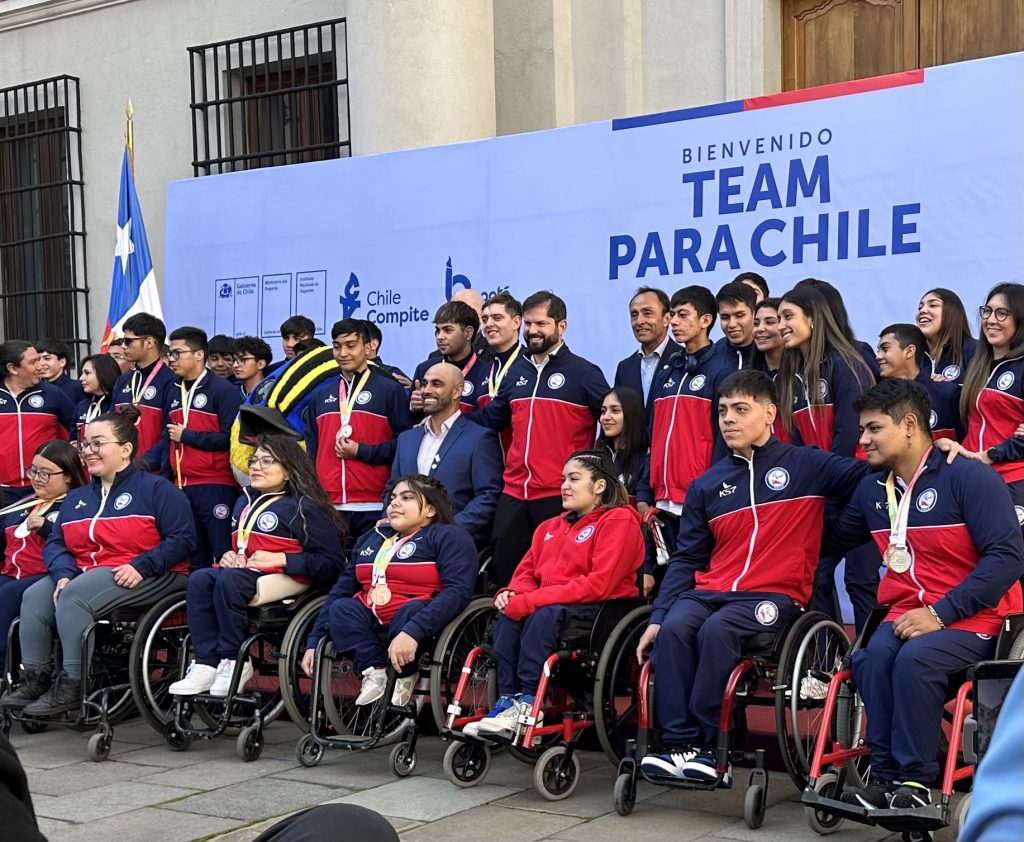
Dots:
pixel 933 817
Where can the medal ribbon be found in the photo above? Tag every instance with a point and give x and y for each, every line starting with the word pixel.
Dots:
pixel 26 504
pixel 469 364
pixel 186 406
pixel 383 558
pixel 137 395
pixel 93 410
pixel 899 513
pixel 347 401
pixel 247 522
pixel 494 382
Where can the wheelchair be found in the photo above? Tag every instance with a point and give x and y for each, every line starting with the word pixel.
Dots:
pixel 587 686
pixel 840 757
pixel 281 614
pixel 786 670
pixel 106 688
pixel 334 721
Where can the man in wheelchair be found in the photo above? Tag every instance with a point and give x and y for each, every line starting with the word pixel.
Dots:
pixel 954 553
pixel 744 564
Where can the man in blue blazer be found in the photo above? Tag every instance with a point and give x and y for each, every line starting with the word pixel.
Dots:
pixel 464 456
pixel 649 317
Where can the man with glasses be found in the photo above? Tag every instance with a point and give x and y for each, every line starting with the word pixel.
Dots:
pixel 199 411
pixel 31 412
pixel 250 361
pixel 145 385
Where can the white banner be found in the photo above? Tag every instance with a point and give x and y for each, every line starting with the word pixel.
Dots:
pixel 886 187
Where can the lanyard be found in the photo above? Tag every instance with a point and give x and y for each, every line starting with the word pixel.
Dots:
pixel 23 504
pixel 384 555
pixel 186 405
pixel 137 395
pixel 494 382
pixel 94 410
pixel 899 514
pixel 469 364
pixel 22 530
pixel 247 522
pixel 347 400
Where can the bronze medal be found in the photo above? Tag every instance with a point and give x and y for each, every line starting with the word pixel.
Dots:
pixel 380 594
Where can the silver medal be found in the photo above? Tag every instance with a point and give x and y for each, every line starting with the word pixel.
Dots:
pixel 897 559
pixel 346 431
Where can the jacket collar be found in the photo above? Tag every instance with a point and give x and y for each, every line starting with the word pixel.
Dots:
pixel 769 450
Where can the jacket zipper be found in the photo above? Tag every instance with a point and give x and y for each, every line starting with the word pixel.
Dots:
pixel 92 525
pixel 753 532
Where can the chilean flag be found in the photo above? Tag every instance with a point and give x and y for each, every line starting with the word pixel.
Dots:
pixel 133 287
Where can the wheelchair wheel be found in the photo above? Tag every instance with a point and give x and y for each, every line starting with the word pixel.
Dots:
pixel 157 653
pixel 265 685
pixel 466 764
pixel 755 805
pixel 402 760
pixel 294 683
pixel 821 822
pixel 616 697
pixel 1016 652
pixel 960 815
pixel 309 752
pixel 624 794
pixel 249 745
pixel 471 628
pixel 553 778
pixel 33 726
pixel 812 653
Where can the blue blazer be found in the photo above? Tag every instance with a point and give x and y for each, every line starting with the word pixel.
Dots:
pixel 469 465
pixel 628 372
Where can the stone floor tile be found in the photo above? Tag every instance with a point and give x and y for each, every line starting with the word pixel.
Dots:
pixel 148 824
pixel 214 774
pixel 789 821
pixel 201 751
pixel 354 772
pixel 657 824
pixel 61 780
pixel 498 823
pixel 725 802
pixel 249 801
pixel 424 799
pixel 50 827
pixel 86 805
pixel 592 798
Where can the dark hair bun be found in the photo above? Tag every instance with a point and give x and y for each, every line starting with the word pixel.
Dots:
pixel 130 413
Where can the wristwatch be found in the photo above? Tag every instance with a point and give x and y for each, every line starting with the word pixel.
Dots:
pixel 993 455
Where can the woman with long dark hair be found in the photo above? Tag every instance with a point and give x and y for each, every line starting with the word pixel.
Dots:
pixel 284 523
pixel 624 435
pixel 24 526
pixel 407 580
pixel 943 321
pixel 99 374
pixel 122 540
pixel 578 560
pixel 992 400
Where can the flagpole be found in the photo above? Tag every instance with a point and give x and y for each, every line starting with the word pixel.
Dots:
pixel 129 137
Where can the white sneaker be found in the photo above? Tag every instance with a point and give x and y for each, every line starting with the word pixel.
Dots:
pixel 198 679
pixel 374 681
pixel 471 729
pixel 506 723
pixel 813 688
pixel 225 670
pixel 403 689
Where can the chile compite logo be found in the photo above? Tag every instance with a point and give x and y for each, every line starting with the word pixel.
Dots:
pixel 350 299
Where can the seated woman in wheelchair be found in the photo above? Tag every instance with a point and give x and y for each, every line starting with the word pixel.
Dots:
pixel 25 525
pixel 122 540
pixel 576 561
pixel 405 582
pixel 952 545
pixel 744 564
pixel 284 523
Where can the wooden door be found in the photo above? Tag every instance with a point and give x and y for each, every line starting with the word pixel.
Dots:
pixel 827 41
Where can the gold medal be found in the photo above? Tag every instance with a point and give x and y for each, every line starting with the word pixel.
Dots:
pixel 897 559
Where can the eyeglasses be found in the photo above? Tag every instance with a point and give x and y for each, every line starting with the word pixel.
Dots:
pixel 242 360
pixel 175 355
pixel 42 476
pixel 1001 313
pixel 128 340
pixel 94 445
pixel 262 462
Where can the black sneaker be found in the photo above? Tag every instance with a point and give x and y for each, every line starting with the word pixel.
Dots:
pixel 910 795
pixel 66 694
pixel 874 797
pixel 32 685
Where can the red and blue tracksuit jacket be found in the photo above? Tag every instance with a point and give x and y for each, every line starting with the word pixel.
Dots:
pixel 37 415
pixel 740 358
pixel 438 564
pixel 204 449
pixel 380 413
pixel 553 409
pixel 754 526
pixel 106 403
pixel 576 560
pixel 964 540
pixel 997 411
pixel 945 365
pixel 23 557
pixel 945 421
pixel 685 439
pixel 832 424
pixel 299 529
pixel 143 520
pixel 152 441
pixel 495 362
pixel 475 378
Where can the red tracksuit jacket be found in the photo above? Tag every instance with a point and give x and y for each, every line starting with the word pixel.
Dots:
pixel 36 416
pixel 997 411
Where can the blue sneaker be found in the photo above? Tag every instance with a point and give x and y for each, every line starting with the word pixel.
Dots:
pixel 505 702
pixel 670 764
pixel 704 768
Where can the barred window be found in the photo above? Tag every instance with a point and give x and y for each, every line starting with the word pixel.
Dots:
pixel 270 99
pixel 43 289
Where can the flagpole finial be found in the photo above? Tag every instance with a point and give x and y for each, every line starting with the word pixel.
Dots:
pixel 129 136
